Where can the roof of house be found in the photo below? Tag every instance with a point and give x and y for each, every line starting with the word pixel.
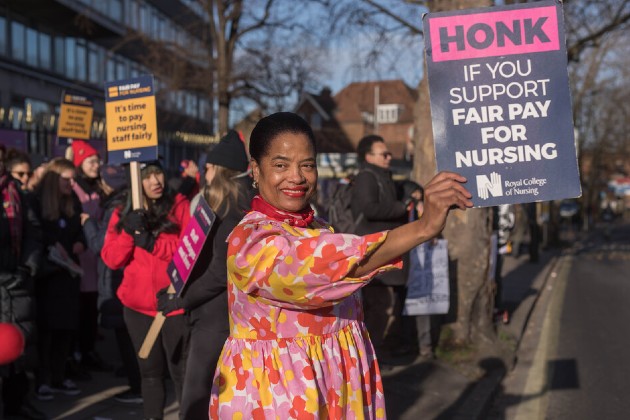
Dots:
pixel 358 98
pixel 330 137
pixel 323 103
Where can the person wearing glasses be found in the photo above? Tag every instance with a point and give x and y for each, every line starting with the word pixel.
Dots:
pixel 20 260
pixel 19 166
pixel 375 197
pixel 91 191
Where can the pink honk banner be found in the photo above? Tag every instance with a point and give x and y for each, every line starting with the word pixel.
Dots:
pixel 190 245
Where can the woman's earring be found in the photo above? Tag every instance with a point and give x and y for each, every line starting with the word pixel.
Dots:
pixel 255 184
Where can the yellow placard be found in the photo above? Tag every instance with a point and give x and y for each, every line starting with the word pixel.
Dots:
pixel 75 121
pixel 131 123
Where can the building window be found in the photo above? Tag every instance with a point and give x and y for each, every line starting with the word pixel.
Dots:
pixel 31 47
pixel 388 114
pixel 204 109
pixel 17 41
pixel 93 66
pixel 3 36
pixel 81 68
pixel 36 110
pixel 110 75
pixel 71 58
pixel 60 56
pixel 121 70
pixel 145 23
pixel 115 10
pixel 316 121
pixel 133 14
pixel 45 57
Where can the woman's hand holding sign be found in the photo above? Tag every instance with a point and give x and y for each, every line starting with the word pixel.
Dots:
pixel 444 192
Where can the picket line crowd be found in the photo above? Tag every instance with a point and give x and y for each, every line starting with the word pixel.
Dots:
pixel 274 319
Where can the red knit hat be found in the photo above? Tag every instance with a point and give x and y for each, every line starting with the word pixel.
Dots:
pixel 81 150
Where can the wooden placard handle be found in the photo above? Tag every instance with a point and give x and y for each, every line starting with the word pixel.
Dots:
pixel 154 330
pixel 137 202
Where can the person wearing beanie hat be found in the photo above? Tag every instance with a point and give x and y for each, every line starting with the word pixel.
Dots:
pixel 114 176
pixel 229 153
pixel 141 242
pixel 81 150
pixel 227 191
pixel 91 192
pixel 116 181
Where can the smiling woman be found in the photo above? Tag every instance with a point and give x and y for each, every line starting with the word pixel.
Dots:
pixel 298 346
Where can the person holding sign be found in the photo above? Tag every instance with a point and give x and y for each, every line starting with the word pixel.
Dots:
pixel 298 346
pixel 142 242
pixel 205 295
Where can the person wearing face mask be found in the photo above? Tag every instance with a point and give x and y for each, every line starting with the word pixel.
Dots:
pixel 142 243
pixel 227 190
pixel 298 347
pixel 91 191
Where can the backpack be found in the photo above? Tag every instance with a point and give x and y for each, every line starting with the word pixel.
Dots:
pixel 340 208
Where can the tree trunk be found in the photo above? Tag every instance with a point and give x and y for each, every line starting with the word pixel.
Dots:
pixel 468 233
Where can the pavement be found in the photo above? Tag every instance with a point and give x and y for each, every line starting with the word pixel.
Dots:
pixel 420 388
pixel 433 389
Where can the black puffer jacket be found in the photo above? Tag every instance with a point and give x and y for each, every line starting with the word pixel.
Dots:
pixel 109 306
pixel 374 195
pixel 205 296
pixel 56 288
pixel 16 276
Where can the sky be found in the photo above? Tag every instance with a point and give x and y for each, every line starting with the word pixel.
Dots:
pixel 404 62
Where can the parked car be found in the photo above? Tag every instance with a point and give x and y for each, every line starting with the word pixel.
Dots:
pixel 569 208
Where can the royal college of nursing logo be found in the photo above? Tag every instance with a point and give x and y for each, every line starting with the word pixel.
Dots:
pixel 487 186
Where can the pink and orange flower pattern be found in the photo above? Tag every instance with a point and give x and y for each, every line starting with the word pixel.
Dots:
pixel 298 348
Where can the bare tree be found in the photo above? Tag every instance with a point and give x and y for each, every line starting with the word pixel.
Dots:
pixel 469 232
pixel 254 52
pixel 598 67
pixel 235 50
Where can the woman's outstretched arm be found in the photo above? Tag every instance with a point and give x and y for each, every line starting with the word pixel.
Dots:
pixel 443 193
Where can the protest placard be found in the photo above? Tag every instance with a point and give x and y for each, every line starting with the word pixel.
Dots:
pixel 132 138
pixel 500 102
pixel 75 116
pixel 131 120
pixel 190 244
pixel 428 289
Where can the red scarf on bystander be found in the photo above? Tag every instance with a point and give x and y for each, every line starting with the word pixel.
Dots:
pixel 12 204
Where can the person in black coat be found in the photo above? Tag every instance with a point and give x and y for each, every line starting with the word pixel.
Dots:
pixel 20 254
pixel 109 306
pixel 375 201
pixel 205 295
pixel 58 283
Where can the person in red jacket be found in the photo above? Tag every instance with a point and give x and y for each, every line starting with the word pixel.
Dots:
pixel 142 242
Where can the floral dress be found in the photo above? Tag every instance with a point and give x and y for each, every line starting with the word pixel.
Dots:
pixel 298 348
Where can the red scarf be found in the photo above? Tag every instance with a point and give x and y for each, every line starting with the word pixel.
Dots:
pixel 299 219
pixel 12 205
